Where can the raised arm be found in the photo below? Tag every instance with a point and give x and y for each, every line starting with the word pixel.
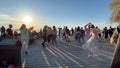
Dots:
pixel 87 25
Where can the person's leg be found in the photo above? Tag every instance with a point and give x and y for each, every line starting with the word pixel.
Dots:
pixel 55 40
pixel 26 46
pixel 43 44
pixel 89 52
pixel 67 39
pixel 23 44
pixel 78 39
pixel 44 40
pixel 82 38
pixel 48 38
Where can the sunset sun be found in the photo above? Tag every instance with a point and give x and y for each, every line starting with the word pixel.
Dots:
pixel 27 19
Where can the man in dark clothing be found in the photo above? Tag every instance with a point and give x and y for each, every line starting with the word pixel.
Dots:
pixel 82 34
pixel 44 35
pixel 10 31
pixel 67 34
pixel 3 32
pixel 72 32
pixel 78 35
pixel 110 31
pixel 105 33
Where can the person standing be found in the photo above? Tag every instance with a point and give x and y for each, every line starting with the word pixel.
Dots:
pixel 10 31
pixel 115 39
pixel 61 33
pixel 40 33
pixel 72 31
pixel 49 35
pixel 83 34
pixel 25 36
pixel 98 33
pixel 110 31
pixel 54 35
pixel 2 32
pixel 78 34
pixel 67 32
pixel 105 33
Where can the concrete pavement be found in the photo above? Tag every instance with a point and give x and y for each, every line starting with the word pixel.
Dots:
pixel 66 55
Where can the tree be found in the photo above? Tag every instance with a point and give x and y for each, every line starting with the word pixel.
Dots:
pixel 115 7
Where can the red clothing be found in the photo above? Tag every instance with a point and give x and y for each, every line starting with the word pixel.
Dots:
pixel 67 31
pixel 13 66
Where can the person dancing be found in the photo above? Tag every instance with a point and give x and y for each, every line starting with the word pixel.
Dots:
pixel 92 44
pixel 87 31
pixel 44 35
pixel 24 38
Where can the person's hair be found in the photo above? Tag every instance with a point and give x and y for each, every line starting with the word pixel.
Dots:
pixel 96 27
pixel 23 25
pixel 31 28
pixel 92 26
pixel 54 27
pixel 10 26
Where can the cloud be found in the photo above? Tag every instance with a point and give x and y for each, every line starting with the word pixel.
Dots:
pixel 3 10
pixel 6 17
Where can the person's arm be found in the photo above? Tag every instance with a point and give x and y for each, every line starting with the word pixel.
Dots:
pixel 114 37
pixel 85 26
pixel 91 31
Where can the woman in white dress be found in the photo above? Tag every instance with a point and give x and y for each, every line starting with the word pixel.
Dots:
pixel 92 44
pixel 24 38
pixel 87 31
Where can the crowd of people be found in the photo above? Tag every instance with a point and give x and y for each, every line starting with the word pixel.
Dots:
pixel 49 34
pixel 88 36
pixel 82 34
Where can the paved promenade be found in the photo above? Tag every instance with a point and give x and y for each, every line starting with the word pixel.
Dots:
pixel 66 55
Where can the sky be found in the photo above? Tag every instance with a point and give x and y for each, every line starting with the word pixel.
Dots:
pixel 71 13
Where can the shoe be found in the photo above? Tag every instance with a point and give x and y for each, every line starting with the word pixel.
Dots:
pixel 89 55
pixel 26 53
pixel 95 55
pixel 43 45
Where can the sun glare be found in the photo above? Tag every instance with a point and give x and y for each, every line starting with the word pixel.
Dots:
pixel 27 19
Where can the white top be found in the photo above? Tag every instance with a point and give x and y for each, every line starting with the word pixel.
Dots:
pixel 24 34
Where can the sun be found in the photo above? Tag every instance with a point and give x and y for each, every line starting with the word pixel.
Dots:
pixel 27 19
